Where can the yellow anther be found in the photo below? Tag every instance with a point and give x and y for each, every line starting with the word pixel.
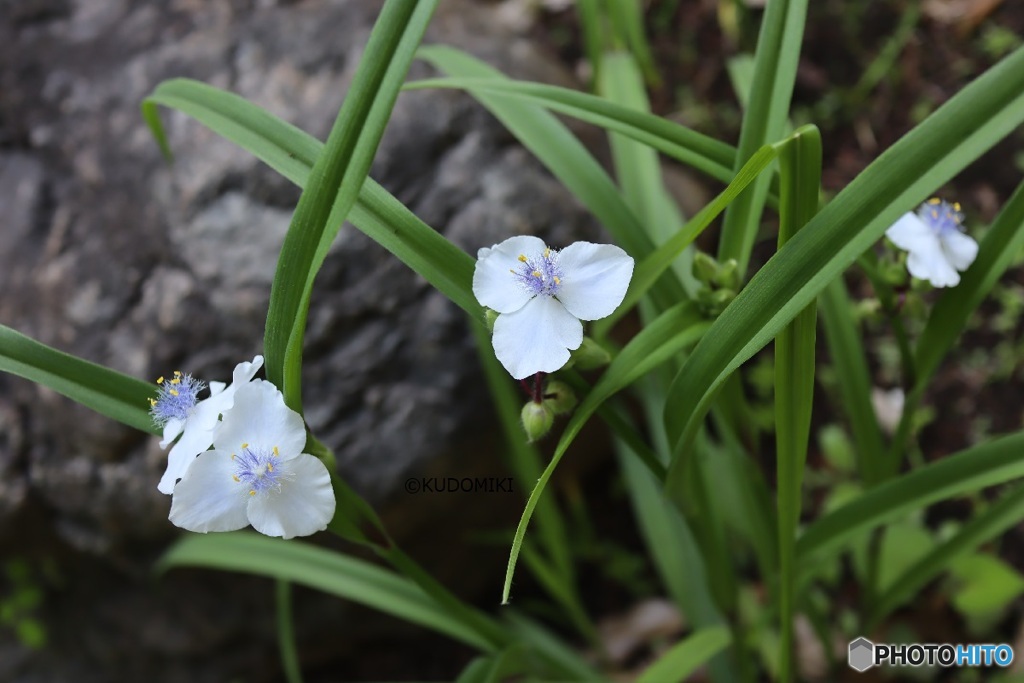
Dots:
pixel 535 273
pixel 276 452
pixel 522 257
pixel 175 381
pixel 270 468
pixel 152 402
pixel 233 456
pixel 235 476
pixel 547 252
pixel 252 493
pixel 512 270
pixel 177 373
pixel 245 445
pixel 558 280
pixel 934 200
pixel 160 379
pixel 956 205
pixel 174 392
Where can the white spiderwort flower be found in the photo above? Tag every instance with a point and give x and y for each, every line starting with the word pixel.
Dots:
pixel 256 473
pixel 542 295
pixel 933 236
pixel 178 412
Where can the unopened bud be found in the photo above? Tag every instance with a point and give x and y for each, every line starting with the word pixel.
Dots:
pixel 590 355
pixel 728 275
pixel 537 420
pixel 705 267
pixel 559 397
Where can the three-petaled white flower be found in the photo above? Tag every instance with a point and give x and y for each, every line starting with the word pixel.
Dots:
pixel 178 412
pixel 542 295
pixel 256 473
pixel 933 236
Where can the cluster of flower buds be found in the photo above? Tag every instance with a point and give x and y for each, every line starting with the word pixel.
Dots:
pixel 719 283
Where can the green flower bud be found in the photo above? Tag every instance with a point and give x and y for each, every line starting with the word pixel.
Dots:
pixel 590 355
pixel 705 267
pixel 728 275
pixel 559 397
pixel 537 420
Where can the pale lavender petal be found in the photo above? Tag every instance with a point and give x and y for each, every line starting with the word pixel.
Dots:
pixel 303 505
pixel 594 279
pixel 494 282
pixel 260 417
pixel 960 249
pixel 536 338
pixel 208 498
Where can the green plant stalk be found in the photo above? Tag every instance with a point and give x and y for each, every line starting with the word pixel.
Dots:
pixel 334 184
pixel 775 62
pixel 800 176
pixel 850 363
pixel 286 632
pixel 970 123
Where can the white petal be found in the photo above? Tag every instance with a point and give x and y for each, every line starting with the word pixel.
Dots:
pixel 216 388
pixel 208 498
pixel 928 262
pixel 260 417
pixel 960 249
pixel 304 504
pixel 911 233
pixel 493 285
pixel 245 371
pixel 594 279
pixel 536 338
pixel 196 438
pixel 172 429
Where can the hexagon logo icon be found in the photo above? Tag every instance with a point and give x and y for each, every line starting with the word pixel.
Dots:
pixel 862 654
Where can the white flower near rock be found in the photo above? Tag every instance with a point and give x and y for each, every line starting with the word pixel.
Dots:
pixel 541 296
pixel 177 410
pixel 256 473
pixel 934 238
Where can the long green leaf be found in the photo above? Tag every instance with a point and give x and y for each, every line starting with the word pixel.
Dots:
pixel 1001 244
pixel 673 330
pixel 689 147
pixel 850 363
pixel 995 462
pixel 292 153
pixel 335 181
pixel 560 151
pixel 775 62
pixel 683 658
pixel 956 134
pixel 1007 512
pixel 108 392
pixel 800 176
pixel 324 570
pixel 651 268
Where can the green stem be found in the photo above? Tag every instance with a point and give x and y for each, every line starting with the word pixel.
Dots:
pixel 286 633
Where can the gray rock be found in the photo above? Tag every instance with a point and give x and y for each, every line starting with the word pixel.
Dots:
pixel 111 254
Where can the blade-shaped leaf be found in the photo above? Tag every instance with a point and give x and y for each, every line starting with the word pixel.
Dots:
pixel 957 133
pixel 335 181
pixel 673 330
pixel 995 462
pixel 683 658
pixel 324 570
pixel 108 392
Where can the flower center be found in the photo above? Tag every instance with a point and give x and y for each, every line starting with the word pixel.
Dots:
pixel 540 273
pixel 941 216
pixel 175 399
pixel 258 469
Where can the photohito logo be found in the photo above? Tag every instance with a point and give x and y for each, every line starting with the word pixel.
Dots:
pixel 863 654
